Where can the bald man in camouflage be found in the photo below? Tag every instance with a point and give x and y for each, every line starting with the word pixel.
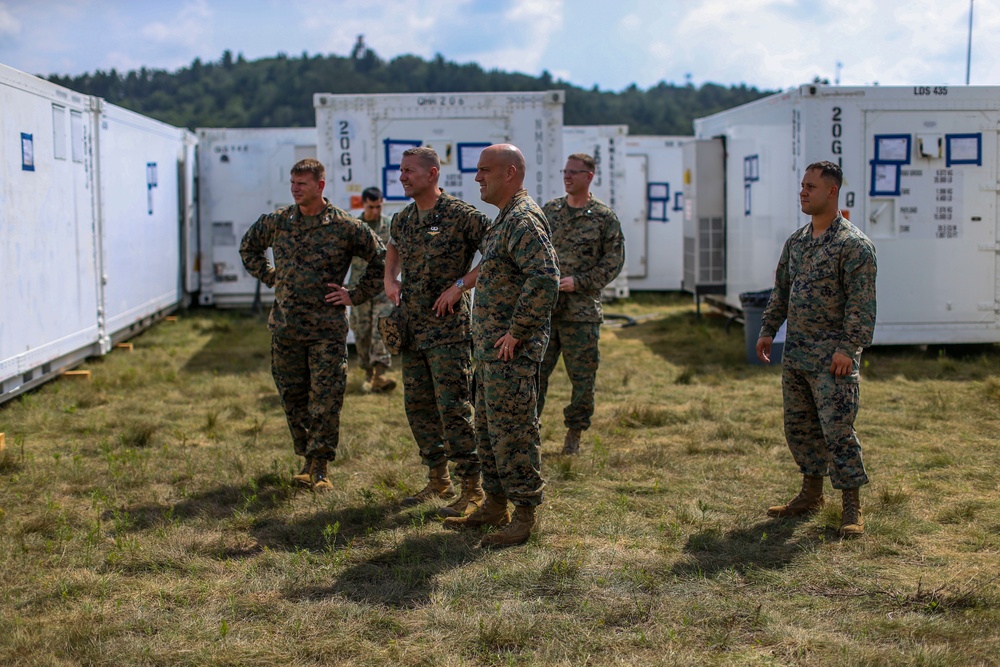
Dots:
pixel 825 286
pixel 516 289
pixel 313 243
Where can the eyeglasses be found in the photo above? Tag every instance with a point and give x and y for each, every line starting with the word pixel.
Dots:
pixel 574 172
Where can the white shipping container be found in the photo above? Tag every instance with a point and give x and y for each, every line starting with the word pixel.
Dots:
pixel 242 173
pixel 604 143
pixel 651 211
pixel 361 139
pixel 920 179
pixel 48 243
pixel 142 206
pixel 94 204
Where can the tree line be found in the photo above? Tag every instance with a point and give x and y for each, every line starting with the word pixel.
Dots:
pixel 278 91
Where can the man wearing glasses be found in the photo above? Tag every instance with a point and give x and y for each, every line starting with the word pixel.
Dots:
pixel 591 251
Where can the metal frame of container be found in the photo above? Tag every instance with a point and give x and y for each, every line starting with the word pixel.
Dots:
pixel 920 179
pixel 604 143
pixel 651 210
pixel 361 139
pixel 84 265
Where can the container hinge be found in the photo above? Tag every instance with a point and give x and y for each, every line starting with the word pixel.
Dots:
pixel 989 247
pixel 987 307
pixel 995 187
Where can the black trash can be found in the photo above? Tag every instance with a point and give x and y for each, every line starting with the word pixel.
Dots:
pixel 753 304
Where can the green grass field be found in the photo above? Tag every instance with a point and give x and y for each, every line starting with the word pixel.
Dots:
pixel 146 518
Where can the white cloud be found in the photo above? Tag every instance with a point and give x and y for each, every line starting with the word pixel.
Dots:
pixel 189 29
pixel 9 25
pixel 529 27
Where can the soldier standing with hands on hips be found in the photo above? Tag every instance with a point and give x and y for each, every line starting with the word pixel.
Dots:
pixel 313 243
pixel 516 290
pixel 825 287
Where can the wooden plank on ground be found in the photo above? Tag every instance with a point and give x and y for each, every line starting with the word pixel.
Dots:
pixel 124 346
pixel 77 375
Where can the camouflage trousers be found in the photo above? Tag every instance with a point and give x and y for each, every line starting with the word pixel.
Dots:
pixel 367 339
pixel 437 395
pixel 578 343
pixel 311 376
pixel 819 425
pixel 507 428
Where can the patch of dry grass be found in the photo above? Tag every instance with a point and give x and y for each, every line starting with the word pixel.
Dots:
pixel 147 518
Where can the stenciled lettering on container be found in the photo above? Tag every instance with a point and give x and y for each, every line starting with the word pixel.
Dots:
pixel 837 131
pixel 344 145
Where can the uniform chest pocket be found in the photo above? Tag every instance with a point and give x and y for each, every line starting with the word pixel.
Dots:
pixel 440 244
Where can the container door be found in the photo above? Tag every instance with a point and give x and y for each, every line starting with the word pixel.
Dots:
pixel 931 212
pixel 242 174
pixel 633 215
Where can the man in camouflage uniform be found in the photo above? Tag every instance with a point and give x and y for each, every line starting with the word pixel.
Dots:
pixel 825 287
pixel 591 249
pixel 433 242
pixel 373 356
pixel 517 287
pixel 313 244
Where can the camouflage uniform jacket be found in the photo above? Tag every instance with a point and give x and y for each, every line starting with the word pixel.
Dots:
pixel 591 248
pixel 308 254
pixel 433 254
pixel 825 287
pixel 518 282
pixel 358 265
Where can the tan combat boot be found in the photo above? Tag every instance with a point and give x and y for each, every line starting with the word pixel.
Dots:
pixel 852 524
pixel 366 386
pixel 304 478
pixel 571 445
pixel 469 501
pixel 809 500
pixel 438 486
pixel 380 382
pixel 516 532
pixel 492 513
pixel 320 482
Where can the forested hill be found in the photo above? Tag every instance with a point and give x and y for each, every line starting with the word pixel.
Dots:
pixel 278 92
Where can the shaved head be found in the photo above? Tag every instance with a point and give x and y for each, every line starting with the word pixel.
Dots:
pixel 500 173
pixel 511 155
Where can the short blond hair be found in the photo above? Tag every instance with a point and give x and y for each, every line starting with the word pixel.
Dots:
pixel 426 155
pixel 310 166
pixel 587 161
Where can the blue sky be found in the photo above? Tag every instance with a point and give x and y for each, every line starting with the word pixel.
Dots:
pixel 772 44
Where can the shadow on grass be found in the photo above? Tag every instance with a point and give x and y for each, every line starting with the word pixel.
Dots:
pixel 239 343
pixel 698 344
pixel 766 545
pixel 264 493
pixel 711 344
pixel 324 530
pixel 402 577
